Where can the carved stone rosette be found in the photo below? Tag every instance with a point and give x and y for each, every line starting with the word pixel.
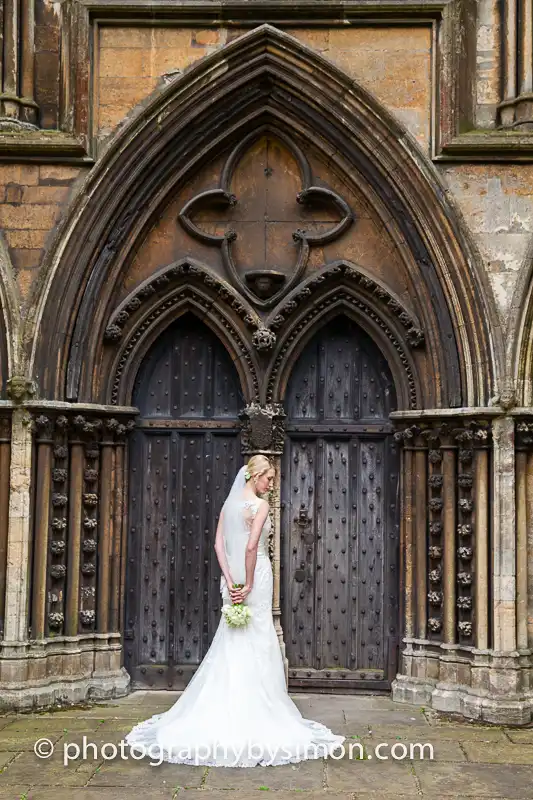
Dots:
pixel 68 519
pixel 58 526
pixel 90 433
pixel 457 468
pixel 263 429
pixel 435 549
pixel 51 509
pixel 465 530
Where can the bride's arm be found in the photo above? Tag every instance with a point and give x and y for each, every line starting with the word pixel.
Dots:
pixel 252 545
pixel 221 554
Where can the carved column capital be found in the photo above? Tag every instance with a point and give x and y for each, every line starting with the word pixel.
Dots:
pixel 524 435
pixel 43 427
pixel 444 432
pixel 263 429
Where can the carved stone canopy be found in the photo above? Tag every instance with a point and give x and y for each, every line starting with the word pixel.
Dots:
pixel 266 198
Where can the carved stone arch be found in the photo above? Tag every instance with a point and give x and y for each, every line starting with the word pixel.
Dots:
pixel 280 81
pixel 334 302
pixel 151 307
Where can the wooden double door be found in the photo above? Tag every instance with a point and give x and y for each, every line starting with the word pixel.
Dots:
pixel 339 522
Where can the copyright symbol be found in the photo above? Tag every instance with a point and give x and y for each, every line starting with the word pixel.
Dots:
pixel 43 748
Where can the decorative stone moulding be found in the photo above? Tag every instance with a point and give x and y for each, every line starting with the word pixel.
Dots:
pixel 263 428
pixel 168 279
pixel 348 273
pixel 264 288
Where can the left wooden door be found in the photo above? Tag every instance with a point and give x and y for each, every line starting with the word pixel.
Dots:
pixel 184 455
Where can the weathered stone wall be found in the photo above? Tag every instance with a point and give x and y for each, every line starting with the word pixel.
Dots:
pixel 496 201
pixel 393 63
pixel 33 201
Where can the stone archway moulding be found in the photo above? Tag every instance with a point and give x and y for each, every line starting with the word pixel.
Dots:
pixel 277 80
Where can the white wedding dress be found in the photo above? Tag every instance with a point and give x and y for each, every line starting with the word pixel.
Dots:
pixel 235 711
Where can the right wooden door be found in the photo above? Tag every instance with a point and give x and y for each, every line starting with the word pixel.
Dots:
pixel 340 515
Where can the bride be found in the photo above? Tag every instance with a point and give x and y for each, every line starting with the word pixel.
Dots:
pixel 235 711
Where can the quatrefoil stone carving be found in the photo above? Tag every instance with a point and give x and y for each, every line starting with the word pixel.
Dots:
pixel 266 209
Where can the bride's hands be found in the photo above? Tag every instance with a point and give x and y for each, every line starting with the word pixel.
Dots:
pixel 242 594
pixel 234 594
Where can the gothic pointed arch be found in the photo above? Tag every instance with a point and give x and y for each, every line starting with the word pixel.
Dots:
pixel 346 290
pixel 282 85
pixel 109 369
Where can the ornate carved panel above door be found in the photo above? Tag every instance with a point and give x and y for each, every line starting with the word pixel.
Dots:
pixel 265 215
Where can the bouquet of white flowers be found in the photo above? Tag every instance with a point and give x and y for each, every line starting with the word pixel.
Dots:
pixel 237 615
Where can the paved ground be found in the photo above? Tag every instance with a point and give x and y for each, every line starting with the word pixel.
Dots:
pixel 469 761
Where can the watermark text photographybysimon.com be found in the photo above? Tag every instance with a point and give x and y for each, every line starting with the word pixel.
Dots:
pixel 356 750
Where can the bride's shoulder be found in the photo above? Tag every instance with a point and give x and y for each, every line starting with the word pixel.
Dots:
pixel 257 504
pixel 263 504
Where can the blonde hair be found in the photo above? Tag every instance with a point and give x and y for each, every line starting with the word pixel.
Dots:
pixel 257 466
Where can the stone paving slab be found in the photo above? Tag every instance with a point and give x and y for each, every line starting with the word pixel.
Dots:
pixel 19 740
pixel 129 774
pixel 461 733
pixel 115 726
pixel 305 776
pixel 40 727
pixel 485 752
pixel 43 772
pixel 84 794
pixel 282 794
pixel 372 716
pixel 21 792
pixel 483 780
pixel 385 777
pixel 5 757
pixel 524 736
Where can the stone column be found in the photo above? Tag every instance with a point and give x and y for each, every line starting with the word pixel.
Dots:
pixel 407 547
pixel 421 526
pixel 75 528
pixel 119 533
pixel 18 108
pixel 504 536
pixel 529 522
pixel 509 40
pixel 524 109
pixel 521 549
pixel 19 524
pixel 105 542
pixel 5 460
pixel 43 476
pixel 516 108
pixel 481 468
pixel 449 496
pixel 524 534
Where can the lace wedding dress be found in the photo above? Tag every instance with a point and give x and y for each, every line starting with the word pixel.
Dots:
pixel 235 711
